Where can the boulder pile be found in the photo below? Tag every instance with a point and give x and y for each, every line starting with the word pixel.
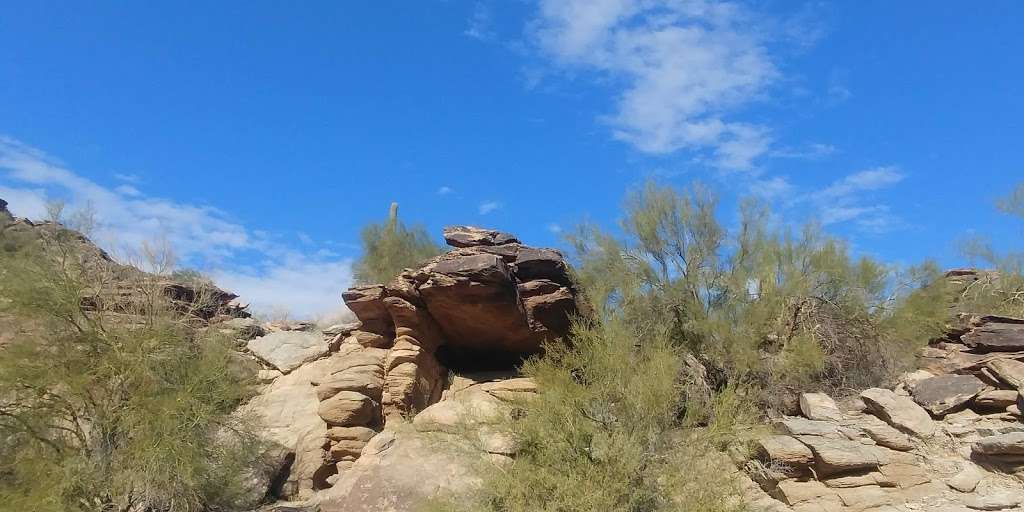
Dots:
pixel 948 437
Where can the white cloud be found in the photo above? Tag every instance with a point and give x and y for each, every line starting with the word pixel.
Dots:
pixel 305 287
pixel 127 190
pixel 488 207
pixel 847 200
pixel 771 188
pixel 813 151
pixel 870 179
pixel 203 237
pixel 683 67
pixel 445 190
pixel 128 178
pixel 554 228
pixel 480 23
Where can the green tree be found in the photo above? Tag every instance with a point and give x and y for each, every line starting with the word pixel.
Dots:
pixel 111 398
pixel 391 246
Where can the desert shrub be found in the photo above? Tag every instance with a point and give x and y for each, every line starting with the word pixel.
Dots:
pixel 1000 290
pixel 112 409
pixel 696 329
pixel 762 307
pixel 391 246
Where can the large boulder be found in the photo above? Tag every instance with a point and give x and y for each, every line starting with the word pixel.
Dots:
pixel 287 350
pixel 996 334
pixel 899 411
pixel 945 393
pixel 400 470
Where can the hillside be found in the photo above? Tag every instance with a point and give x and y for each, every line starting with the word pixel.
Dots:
pixel 432 395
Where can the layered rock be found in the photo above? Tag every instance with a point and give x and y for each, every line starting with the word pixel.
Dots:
pixel 484 305
pixel 488 302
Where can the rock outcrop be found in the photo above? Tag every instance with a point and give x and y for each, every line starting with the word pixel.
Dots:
pixel 340 401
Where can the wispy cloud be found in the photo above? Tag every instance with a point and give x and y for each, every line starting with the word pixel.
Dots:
pixel 202 236
pixel 128 178
pixel 305 287
pixel 848 200
pixel 480 23
pixel 554 228
pixel 488 207
pixel 445 190
pixel 814 151
pixel 684 67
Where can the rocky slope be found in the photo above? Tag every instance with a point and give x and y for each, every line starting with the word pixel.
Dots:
pixel 949 437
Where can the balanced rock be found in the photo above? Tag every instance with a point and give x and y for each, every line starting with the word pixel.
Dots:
pixel 468 236
pixel 943 394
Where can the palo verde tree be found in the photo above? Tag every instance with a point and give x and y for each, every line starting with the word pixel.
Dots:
pixel 111 398
pixel 391 246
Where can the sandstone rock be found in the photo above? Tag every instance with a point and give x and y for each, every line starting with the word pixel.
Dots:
pixel 348 408
pixel 468 236
pixel 462 413
pixel 363 434
pixel 243 328
pixel 400 471
pixel 361 370
pixel 367 303
pixel 942 394
pixel 796 426
pixel 287 408
pixel 967 479
pixel 1002 444
pixel 788 451
pixel 996 399
pixel 833 456
pixel 860 498
pixel 287 350
pixel 475 300
pixel 1001 500
pixel 367 339
pixel 1008 370
pixel 996 334
pixel 792 492
pixel 900 412
pixel 887 436
pixel 859 480
pixel 819 406
pixel 905 475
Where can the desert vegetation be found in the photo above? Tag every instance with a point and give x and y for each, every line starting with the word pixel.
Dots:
pixel 700 331
pixel 111 397
pixel 390 246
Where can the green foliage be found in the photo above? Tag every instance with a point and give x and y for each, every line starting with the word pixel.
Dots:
pixel 391 246
pixel 697 328
pixel 999 291
pixel 111 410
pixel 768 308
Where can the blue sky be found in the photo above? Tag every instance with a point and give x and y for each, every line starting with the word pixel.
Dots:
pixel 258 137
